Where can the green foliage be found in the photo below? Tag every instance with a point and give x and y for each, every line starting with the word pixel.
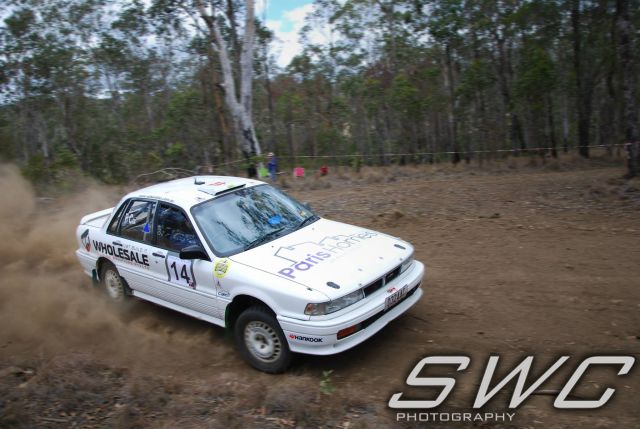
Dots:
pixel 116 90
pixel 476 78
pixel 328 140
pixel 61 170
pixel 326 386
pixel 356 162
pixel 404 96
pixel 182 107
pixel 446 21
pixel 175 152
pixel 35 169
pixel 537 75
pixel 7 144
pixel 64 159
pixel 20 22
pixel 252 161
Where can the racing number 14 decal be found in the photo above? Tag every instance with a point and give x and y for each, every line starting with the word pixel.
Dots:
pixel 183 272
pixel 180 271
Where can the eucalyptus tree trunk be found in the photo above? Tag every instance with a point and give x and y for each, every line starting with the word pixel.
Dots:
pixel 625 51
pixel 584 84
pixel 504 71
pixel 271 144
pixel 239 102
pixel 451 113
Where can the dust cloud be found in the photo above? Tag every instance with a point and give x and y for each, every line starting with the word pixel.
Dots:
pixel 48 306
pixel 71 358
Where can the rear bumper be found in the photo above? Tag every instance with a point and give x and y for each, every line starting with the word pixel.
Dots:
pixel 87 261
pixel 319 337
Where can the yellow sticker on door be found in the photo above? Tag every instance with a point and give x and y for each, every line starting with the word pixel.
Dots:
pixel 221 267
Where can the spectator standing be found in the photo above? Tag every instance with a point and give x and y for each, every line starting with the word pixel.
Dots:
pixel 272 166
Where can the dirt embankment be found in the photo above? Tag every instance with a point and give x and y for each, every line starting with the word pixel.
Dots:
pixel 528 262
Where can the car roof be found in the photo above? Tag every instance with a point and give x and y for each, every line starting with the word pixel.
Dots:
pixel 190 191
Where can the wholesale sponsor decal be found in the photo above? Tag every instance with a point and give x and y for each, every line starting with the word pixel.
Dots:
pixel 126 253
pixel 416 409
pixel 305 256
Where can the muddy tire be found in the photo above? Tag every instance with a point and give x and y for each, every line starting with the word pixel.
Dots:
pixel 114 286
pixel 261 341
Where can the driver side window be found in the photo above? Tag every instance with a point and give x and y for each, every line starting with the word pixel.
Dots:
pixel 137 221
pixel 174 231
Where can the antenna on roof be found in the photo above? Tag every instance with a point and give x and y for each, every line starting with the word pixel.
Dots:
pixel 197 182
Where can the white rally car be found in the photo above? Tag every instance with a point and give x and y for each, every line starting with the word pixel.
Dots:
pixel 241 254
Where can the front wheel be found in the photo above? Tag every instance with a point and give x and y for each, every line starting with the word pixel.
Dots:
pixel 112 283
pixel 261 340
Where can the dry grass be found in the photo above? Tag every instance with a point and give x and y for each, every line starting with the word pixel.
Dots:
pixel 78 390
pixel 340 176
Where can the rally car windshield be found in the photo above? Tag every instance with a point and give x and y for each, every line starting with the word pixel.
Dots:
pixel 249 217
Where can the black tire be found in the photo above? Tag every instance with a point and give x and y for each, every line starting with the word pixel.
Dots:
pixel 261 341
pixel 113 285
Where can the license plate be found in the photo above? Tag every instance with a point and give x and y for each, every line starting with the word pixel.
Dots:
pixel 396 297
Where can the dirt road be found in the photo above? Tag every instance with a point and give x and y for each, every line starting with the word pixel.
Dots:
pixel 532 262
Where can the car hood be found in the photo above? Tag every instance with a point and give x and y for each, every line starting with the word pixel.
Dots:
pixel 331 257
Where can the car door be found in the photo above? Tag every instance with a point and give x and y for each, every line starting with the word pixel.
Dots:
pixel 131 249
pixel 185 282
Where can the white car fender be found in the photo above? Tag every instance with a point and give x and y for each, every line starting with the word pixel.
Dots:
pixel 284 297
pixel 269 301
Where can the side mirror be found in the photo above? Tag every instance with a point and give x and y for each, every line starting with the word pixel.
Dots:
pixel 194 252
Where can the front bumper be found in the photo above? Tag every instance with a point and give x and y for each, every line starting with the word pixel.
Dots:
pixel 319 337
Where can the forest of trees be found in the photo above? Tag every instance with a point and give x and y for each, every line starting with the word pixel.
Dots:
pixel 119 88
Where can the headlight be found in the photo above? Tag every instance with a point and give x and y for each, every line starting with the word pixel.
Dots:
pixel 322 308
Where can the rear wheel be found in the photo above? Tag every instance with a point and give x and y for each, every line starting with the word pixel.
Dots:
pixel 112 283
pixel 261 340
